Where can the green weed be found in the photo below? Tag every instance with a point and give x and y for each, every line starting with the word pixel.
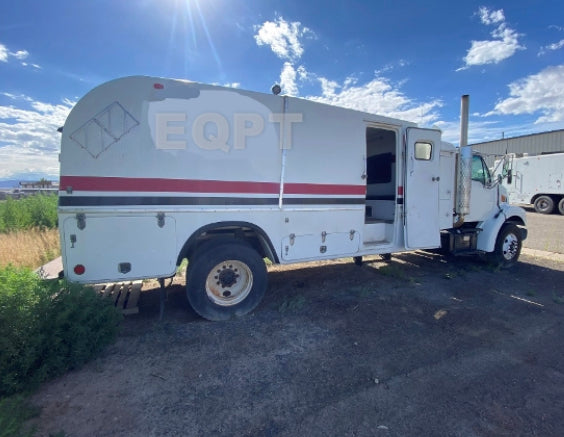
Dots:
pixel 292 304
pixel 15 411
pixel 392 271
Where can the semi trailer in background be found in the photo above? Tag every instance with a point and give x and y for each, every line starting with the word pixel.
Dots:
pixel 536 180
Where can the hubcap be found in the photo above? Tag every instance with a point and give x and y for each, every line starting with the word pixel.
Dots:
pixel 229 283
pixel 510 246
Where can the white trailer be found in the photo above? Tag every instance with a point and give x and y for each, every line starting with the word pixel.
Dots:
pixel 154 171
pixel 536 180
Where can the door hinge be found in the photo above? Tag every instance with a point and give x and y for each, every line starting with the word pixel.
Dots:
pixel 81 221
pixel 161 219
pixel 292 239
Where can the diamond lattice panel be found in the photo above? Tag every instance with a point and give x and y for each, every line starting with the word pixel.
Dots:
pixel 104 129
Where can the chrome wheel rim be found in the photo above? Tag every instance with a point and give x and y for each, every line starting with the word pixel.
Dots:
pixel 229 283
pixel 510 246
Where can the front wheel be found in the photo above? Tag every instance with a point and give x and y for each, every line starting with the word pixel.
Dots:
pixel 225 280
pixel 507 246
pixel 544 205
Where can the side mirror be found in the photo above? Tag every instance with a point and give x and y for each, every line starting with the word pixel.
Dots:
pixel 499 178
pixel 509 177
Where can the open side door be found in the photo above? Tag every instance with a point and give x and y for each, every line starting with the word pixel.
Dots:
pixel 421 194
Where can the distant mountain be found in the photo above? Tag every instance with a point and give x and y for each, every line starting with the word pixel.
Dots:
pixel 15 179
pixel 9 183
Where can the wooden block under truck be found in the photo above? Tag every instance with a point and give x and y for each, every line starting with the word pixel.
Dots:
pixel 155 171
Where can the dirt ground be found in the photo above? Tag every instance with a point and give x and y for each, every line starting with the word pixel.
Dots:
pixel 417 346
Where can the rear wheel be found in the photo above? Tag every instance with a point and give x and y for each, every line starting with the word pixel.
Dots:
pixel 544 204
pixel 507 246
pixel 225 279
pixel 561 206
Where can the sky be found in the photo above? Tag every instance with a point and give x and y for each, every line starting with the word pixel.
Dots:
pixel 405 59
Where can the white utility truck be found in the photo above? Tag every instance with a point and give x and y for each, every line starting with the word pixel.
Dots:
pixel 536 180
pixel 154 171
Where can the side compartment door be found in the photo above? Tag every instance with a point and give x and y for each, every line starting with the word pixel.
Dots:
pixel 120 247
pixel 421 194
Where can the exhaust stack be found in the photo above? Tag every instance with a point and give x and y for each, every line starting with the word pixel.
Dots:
pixel 464 167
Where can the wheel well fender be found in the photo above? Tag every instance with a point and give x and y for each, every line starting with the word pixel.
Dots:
pixel 490 228
pixel 252 234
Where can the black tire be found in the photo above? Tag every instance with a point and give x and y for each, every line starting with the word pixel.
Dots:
pixel 561 206
pixel 544 205
pixel 507 246
pixel 225 279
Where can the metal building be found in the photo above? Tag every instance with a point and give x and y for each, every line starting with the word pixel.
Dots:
pixel 534 144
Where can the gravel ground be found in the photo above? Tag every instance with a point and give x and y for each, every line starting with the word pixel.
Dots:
pixel 417 346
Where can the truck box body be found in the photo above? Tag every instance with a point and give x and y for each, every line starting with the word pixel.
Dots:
pixel 537 180
pixel 153 168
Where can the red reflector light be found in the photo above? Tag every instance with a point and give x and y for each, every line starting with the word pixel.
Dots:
pixel 158 86
pixel 400 191
pixel 79 269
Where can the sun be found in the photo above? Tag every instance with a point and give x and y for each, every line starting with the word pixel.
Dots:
pixel 190 18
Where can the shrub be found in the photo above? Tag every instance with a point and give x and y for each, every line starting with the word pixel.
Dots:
pixel 34 211
pixel 48 328
pixel 42 210
pixel 14 215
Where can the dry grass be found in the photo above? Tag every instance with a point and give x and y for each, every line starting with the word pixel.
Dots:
pixel 31 248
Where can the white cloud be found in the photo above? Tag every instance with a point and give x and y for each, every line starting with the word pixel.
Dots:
pixel 491 17
pixel 302 73
pixel 542 92
pixel 391 66
pixel 228 84
pixel 3 53
pixel 288 80
pixel 503 45
pixel 478 132
pixel 555 46
pixel 282 37
pixel 377 97
pixel 29 141
pixel 20 54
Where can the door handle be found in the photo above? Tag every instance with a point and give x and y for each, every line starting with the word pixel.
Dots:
pixel 436 178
